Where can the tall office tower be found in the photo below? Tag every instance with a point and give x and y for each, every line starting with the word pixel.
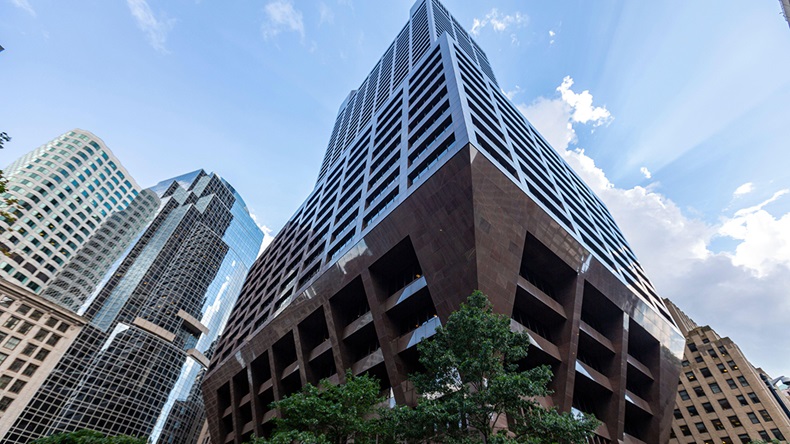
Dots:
pixel 786 10
pixel 152 324
pixel 65 189
pixel 721 397
pixel 433 185
pixel 72 287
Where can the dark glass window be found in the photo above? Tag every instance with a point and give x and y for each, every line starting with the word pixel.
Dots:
pixel 708 407
pixel 735 421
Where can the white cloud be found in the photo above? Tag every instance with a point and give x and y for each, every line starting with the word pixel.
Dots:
pixel 645 172
pixel 555 117
pixel 735 291
pixel 758 207
pixel 24 5
pixel 282 16
pixel 499 22
pixel 512 93
pixel 581 103
pixel 268 237
pixel 326 14
pixel 551 35
pixel 746 188
pixel 155 29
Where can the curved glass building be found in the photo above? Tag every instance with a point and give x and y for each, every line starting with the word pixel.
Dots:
pixel 153 321
pixel 66 189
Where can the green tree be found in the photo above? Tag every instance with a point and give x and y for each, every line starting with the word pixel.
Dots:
pixel 472 383
pixel 329 414
pixel 86 436
pixel 5 202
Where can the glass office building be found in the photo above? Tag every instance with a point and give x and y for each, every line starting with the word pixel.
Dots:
pixel 433 185
pixel 153 321
pixel 66 189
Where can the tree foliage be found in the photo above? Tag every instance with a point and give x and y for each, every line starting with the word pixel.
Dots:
pixel 86 436
pixel 5 202
pixel 472 385
pixel 329 414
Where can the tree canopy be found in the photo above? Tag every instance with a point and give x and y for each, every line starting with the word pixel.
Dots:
pixel 86 436
pixel 329 414
pixel 472 391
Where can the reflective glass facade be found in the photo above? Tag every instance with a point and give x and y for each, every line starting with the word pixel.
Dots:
pixel 153 321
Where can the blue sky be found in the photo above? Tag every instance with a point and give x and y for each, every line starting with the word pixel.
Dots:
pixel 675 112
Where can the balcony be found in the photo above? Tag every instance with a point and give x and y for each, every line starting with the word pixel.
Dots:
pixel 638 402
pixel 368 362
pixel 266 386
pixel 290 369
pixel 596 335
pixel 537 340
pixel 634 363
pixel 405 293
pixel 425 330
pixel 540 296
pixel 357 324
pixel 320 349
pixel 268 416
pixel 593 375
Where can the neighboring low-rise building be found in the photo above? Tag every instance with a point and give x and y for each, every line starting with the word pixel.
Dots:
pixel 34 334
pixel 722 397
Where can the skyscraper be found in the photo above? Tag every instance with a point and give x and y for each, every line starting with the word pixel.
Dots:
pixel 65 189
pixel 433 185
pixel 153 321
pixel 722 397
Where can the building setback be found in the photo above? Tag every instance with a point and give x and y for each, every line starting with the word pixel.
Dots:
pixel 721 397
pixel 153 322
pixel 66 189
pixel 433 185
